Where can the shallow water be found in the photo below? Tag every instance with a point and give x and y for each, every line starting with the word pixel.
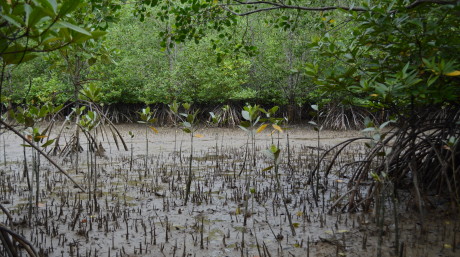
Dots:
pixel 138 209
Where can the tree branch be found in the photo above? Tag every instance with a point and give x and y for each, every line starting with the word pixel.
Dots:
pixel 9 127
pixel 440 2
pixel 248 13
pixel 276 5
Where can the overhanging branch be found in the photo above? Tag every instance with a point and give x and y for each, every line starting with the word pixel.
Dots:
pixel 439 2
pixel 277 5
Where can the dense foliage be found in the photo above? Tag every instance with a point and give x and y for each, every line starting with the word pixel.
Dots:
pixel 133 65
pixel 382 55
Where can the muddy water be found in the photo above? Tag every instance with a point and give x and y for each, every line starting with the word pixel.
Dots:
pixel 135 206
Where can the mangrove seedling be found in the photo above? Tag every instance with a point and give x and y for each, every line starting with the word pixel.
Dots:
pixel 251 116
pixel 189 126
pixel 273 153
pixel 147 118
pixel 275 122
pixel 29 118
pixel 316 127
pixel 174 108
pixel 215 121
pixel 88 124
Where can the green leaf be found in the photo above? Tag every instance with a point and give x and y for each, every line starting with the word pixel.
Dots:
pixel 98 33
pixel 273 110
pixel 187 124
pixel 383 125
pixel 49 142
pixel 273 149
pixel 74 27
pixel 370 129
pixel 268 168
pixel 243 128
pixel 37 15
pixel 11 20
pixel 27 10
pixel 190 118
pixel 245 124
pixel 68 6
pixel 28 122
pixel 53 4
pixel 17 54
pixel 431 80
pixel 186 106
pixel 376 137
pixel 246 115
pixel 43 112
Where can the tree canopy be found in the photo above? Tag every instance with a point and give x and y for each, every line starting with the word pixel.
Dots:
pixel 376 54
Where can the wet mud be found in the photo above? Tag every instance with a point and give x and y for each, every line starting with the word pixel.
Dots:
pixel 133 203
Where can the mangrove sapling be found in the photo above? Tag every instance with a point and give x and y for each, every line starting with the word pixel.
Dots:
pixel 317 127
pixel 88 97
pixel 75 147
pixel 147 118
pixel 88 124
pixel 174 108
pixel 30 143
pixel 274 153
pixel 189 126
pixel 251 116
pixel 381 184
pixel 288 146
pixel 275 122
pixel 26 168
pixel 29 118
pixel 215 120
pixel 131 135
